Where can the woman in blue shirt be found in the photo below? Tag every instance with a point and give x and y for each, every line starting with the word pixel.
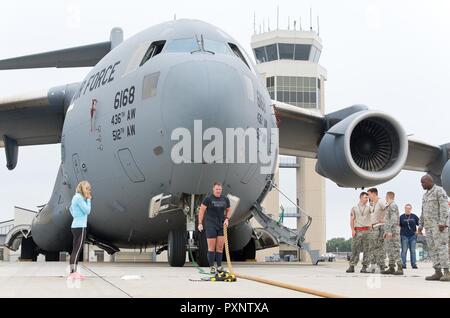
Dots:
pixel 80 209
pixel 408 228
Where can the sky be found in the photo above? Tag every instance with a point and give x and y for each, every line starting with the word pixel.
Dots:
pixel 390 55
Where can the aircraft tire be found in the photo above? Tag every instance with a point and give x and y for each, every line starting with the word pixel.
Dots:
pixel 176 249
pixel 52 256
pixel 28 250
pixel 201 256
pixel 248 252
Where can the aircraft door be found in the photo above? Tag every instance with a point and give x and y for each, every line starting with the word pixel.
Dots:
pixel 77 168
pixel 129 166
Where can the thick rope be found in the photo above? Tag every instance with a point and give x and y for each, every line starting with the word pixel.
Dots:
pixel 271 282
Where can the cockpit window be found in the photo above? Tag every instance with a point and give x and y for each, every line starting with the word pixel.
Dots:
pixel 238 53
pixel 200 44
pixel 216 47
pixel 154 49
pixel 182 45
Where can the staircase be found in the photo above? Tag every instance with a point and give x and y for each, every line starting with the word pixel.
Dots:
pixel 284 234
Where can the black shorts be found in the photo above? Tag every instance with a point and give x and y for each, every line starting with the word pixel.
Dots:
pixel 213 231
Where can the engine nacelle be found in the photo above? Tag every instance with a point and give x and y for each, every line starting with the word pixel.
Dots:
pixel 365 149
pixel 445 177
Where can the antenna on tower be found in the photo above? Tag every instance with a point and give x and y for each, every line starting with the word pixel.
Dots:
pixel 268 23
pixel 295 25
pixel 318 26
pixel 278 17
pixel 310 19
pixel 175 16
pixel 300 23
pixel 289 22
pixel 254 22
pixel 264 26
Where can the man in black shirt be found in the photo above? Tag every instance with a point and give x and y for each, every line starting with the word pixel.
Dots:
pixel 217 208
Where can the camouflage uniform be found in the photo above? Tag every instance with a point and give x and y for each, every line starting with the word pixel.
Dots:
pixel 391 225
pixel 376 246
pixel 434 213
pixel 360 243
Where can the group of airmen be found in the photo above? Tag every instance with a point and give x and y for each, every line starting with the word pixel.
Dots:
pixel 376 231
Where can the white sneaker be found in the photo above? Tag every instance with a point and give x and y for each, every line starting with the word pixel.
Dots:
pixel 212 270
pixel 72 276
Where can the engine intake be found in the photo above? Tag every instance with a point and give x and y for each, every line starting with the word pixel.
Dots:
pixel 364 149
pixel 445 177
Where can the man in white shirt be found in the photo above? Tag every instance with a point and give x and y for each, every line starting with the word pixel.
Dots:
pixel 361 226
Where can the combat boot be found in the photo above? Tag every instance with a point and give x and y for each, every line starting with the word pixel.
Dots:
pixel 364 269
pixel 446 276
pixel 350 269
pixel 436 276
pixel 399 269
pixel 390 270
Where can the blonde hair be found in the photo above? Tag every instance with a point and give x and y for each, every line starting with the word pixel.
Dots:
pixel 81 188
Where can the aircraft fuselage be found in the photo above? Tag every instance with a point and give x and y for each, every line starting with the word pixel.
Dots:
pixel 119 128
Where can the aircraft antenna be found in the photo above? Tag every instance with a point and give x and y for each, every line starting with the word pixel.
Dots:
pixel 278 17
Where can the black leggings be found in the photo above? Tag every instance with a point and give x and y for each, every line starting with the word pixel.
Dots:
pixel 79 235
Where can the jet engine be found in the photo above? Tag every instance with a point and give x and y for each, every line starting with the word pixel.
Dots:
pixel 364 149
pixel 445 177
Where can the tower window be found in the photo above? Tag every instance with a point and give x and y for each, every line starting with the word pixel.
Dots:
pixel 286 51
pixel 260 54
pixel 272 52
pixel 302 51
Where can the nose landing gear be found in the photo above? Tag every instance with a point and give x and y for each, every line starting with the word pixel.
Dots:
pixel 190 239
pixel 201 253
pixel 176 248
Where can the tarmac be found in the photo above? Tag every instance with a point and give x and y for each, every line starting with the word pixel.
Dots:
pixel 137 280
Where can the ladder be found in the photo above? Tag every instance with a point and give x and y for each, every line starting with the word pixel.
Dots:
pixel 284 234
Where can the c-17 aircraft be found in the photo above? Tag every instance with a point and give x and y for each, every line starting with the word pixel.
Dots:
pixel 115 129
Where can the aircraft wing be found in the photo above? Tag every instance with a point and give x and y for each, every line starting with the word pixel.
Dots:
pixel 33 119
pixel 301 130
pixel 37 118
pixel 421 155
pixel 80 56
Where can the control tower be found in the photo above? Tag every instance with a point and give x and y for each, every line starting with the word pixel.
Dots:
pixel 288 62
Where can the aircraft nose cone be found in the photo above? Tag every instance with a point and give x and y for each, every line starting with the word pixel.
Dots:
pixel 209 91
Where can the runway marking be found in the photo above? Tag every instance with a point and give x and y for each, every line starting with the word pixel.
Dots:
pixel 107 281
